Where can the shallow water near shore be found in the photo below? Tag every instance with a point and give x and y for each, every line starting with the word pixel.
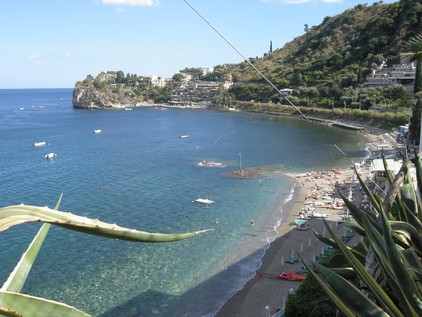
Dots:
pixel 138 173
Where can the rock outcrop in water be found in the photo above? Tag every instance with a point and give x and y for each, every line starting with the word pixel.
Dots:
pixel 114 90
pixel 103 92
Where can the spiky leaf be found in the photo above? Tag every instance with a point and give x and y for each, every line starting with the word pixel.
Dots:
pixel 17 214
pixel 18 277
pixel 14 304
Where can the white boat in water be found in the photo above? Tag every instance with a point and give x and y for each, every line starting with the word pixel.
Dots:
pixel 98 131
pixel 204 201
pixel 39 143
pixel 49 156
pixel 210 164
pixel 184 136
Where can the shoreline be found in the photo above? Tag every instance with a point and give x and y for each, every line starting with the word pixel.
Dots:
pixel 263 296
pixel 237 304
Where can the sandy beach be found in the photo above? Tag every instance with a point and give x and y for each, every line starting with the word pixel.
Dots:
pixel 265 295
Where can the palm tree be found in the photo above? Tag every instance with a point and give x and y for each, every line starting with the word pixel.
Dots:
pixel 414 46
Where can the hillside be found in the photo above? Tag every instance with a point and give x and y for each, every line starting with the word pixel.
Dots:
pixel 358 39
pixel 323 68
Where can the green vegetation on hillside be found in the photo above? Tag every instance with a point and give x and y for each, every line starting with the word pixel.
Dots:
pixel 324 68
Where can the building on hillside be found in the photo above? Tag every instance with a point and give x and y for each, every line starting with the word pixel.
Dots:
pixel 403 74
pixel 286 92
pixel 227 84
pixel 195 92
pixel 207 70
pixel 158 81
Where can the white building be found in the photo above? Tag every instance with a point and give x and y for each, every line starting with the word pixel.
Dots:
pixel 158 81
pixel 403 74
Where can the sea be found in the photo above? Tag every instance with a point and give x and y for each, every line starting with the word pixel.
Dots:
pixel 140 174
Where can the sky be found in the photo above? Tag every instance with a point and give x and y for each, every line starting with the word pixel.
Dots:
pixel 55 43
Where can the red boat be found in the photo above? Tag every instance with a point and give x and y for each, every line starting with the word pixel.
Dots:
pixel 292 276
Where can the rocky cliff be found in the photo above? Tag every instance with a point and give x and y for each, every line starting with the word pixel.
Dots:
pixel 103 92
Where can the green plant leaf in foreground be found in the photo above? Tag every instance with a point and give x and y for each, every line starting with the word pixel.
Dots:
pixel 355 300
pixel 18 214
pixel 379 294
pixel 18 277
pixel 14 304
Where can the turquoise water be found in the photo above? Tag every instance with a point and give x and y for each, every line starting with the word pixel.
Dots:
pixel 138 173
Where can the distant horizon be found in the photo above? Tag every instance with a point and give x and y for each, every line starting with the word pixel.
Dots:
pixel 36 88
pixel 47 46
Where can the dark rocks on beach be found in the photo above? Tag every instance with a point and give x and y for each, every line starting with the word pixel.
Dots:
pixel 246 173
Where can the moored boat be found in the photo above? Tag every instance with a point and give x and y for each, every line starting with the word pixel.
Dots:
pixel 39 143
pixel 49 156
pixel 210 164
pixel 205 201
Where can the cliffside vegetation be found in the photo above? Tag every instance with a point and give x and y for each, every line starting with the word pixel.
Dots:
pixel 325 68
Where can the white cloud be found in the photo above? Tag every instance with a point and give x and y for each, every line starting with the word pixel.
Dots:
pixel 34 57
pixel 140 3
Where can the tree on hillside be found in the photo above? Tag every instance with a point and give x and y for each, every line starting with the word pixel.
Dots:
pixel 120 77
pixel 415 123
pixel 414 46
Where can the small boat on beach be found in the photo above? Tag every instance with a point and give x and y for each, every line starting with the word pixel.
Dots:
pixel 289 276
pixel 39 143
pixel 205 201
pixel 301 224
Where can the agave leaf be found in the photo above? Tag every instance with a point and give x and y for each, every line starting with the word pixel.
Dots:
pixel 20 273
pixel 418 165
pixel 407 197
pixel 15 304
pixel 355 300
pixel 382 252
pixel 333 244
pixel 353 225
pixel 376 290
pixel 413 263
pixel 325 240
pixel 337 300
pixel 345 272
pixel 388 172
pixel 407 284
pixel 413 219
pixel 410 232
pixel 409 202
pixel 368 193
pixel 358 213
pixel 393 197
pixel 17 214
pixel 18 277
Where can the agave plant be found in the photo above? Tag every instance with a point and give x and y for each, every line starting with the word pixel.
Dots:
pixel 392 231
pixel 12 301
